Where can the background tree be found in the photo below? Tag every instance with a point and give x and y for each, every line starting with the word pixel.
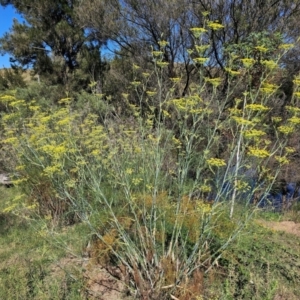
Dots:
pixel 60 37
pixel 138 27
pixel 51 40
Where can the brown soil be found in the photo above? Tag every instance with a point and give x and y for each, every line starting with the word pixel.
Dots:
pixel 100 284
pixel 286 226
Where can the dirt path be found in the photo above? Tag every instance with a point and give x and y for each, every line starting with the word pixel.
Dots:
pixel 286 226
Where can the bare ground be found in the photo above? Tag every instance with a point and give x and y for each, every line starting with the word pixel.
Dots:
pixel 286 226
pixel 100 284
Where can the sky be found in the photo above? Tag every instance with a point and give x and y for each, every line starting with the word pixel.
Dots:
pixel 7 15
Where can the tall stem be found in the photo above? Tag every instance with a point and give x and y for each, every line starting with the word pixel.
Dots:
pixel 237 165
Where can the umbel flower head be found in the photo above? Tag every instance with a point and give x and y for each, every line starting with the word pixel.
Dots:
pixel 259 153
pixel 214 81
pixel 286 46
pixel 261 49
pixel 216 162
pixel 248 62
pixel 197 31
pixel 269 88
pixel 200 60
pixel 270 64
pixel 215 25
pixel 232 72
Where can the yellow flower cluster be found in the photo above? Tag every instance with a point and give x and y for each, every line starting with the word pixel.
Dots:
pixel 296 94
pixel 135 83
pixel 270 64
pixel 201 48
pixel 216 162
pixel 242 186
pixel 163 43
pixel 215 25
pixel 198 31
pixel 54 150
pixel 177 142
pixel 261 49
pixel 286 129
pixel 242 121
pixel 294 120
pixel 157 53
pixel 289 150
pixel 282 160
pixel 136 67
pixel 162 64
pixel 269 88
pixel 214 81
pixel 200 60
pixel 296 80
pixel 253 133
pixel 276 119
pixel 257 107
pixel 151 93
pixel 53 140
pixel 190 104
pixel 248 62
pixel 232 72
pixel 205 188
pixel 286 46
pixel 260 153
pixel 203 207
pixel 293 109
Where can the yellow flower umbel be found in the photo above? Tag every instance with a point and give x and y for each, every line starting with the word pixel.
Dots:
pixel 157 53
pixel 296 80
pixel 242 186
pixel 294 120
pixel 293 109
pixel 270 64
pixel 253 133
pixel 198 31
pixel 232 72
pixel 286 46
pixel 205 188
pixel 214 81
pixel 163 43
pixel 282 160
pixel 136 83
pixel 216 162
pixel 248 62
pixel 276 119
pixel 162 64
pixel 151 93
pixel 290 150
pixel 286 129
pixel 202 48
pixel 260 153
pixel 257 107
pixel 200 60
pixel 261 49
pixel 269 88
pixel 188 104
pixel 242 121
pixel 296 94
pixel 215 25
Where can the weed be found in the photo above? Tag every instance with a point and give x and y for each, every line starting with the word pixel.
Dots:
pixel 160 191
